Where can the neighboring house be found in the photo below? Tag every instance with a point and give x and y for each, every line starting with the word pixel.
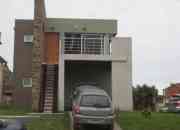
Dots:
pixel 172 90
pixel 5 87
pixel 0 39
pixel 53 55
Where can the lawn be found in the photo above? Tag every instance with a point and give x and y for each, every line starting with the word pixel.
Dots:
pixel 158 121
pixel 50 123
pixel 13 110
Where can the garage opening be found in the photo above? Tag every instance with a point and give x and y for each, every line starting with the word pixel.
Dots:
pixel 90 72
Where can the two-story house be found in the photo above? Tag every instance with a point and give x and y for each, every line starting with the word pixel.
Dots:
pixel 53 55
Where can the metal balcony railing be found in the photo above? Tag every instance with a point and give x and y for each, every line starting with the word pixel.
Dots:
pixel 83 45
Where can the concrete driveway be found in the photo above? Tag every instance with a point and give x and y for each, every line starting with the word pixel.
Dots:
pixel 116 127
pixel 25 119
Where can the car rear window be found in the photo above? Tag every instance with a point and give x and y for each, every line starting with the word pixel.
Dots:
pixel 95 101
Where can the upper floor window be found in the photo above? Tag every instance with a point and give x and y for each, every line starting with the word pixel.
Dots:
pixel 27 82
pixel 28 39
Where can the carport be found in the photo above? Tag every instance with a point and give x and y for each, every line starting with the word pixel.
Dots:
pixel 95 72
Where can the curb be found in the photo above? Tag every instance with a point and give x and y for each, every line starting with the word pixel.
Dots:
pixel 116 126
pixel 11 117
pixel 71 120
pixel 45 113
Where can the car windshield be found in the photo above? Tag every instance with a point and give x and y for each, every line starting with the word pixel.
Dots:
pixel 95 101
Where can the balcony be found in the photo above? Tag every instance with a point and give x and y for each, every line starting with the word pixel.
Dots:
pixel 87 45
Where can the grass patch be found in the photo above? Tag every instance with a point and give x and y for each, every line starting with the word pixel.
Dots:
pixel 158 121
pixel 13 110
pixel 50 123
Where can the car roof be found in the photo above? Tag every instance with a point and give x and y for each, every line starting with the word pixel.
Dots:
pixel 88 89
pixel 85 87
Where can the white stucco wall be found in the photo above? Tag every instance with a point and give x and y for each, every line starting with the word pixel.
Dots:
pixel 122 74
pixel 121 59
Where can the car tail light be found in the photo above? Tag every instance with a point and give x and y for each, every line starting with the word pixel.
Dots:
pixel 178 104
pixel 77 109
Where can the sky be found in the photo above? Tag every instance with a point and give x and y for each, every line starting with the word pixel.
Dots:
pixel 154 26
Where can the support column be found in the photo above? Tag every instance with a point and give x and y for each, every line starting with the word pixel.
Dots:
pixel 61 75
pixel 37 52
pixel 106 45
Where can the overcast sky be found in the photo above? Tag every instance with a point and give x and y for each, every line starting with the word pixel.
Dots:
pixel 154 26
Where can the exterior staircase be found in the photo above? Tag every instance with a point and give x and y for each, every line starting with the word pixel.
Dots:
pixel 50 89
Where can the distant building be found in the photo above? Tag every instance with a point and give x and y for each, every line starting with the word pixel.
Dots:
pixel 5 82
pixel 172 90
pixel 0 39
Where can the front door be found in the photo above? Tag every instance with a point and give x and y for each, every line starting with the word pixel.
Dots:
pixel 52 48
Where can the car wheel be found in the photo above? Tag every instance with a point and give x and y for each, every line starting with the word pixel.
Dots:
pixel 75 127
pixel 110 127
pixel 81 127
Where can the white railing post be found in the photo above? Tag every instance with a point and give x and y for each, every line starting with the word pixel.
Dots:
pixel 81 44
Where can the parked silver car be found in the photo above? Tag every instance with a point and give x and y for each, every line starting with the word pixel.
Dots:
pixel 11 125
pixel 174 106
pixel 92 106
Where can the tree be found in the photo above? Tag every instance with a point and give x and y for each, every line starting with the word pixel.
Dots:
pixel 145 97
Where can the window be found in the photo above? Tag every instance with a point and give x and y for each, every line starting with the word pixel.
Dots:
pixel 95 101
pixel 27 82
pixel 28 39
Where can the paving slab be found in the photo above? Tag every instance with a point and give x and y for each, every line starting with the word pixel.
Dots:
pixel 116 126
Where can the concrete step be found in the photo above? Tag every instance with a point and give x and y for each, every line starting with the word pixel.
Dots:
pixel 50 67
pixel 48 109
pixel 50 85
pixel 48 106
pixel 49 94
pixel 48 102
pixel 50 76
pixel 49 90
pixel 50 81
pixel 50 73
pixel 51 70
pixel 49 97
